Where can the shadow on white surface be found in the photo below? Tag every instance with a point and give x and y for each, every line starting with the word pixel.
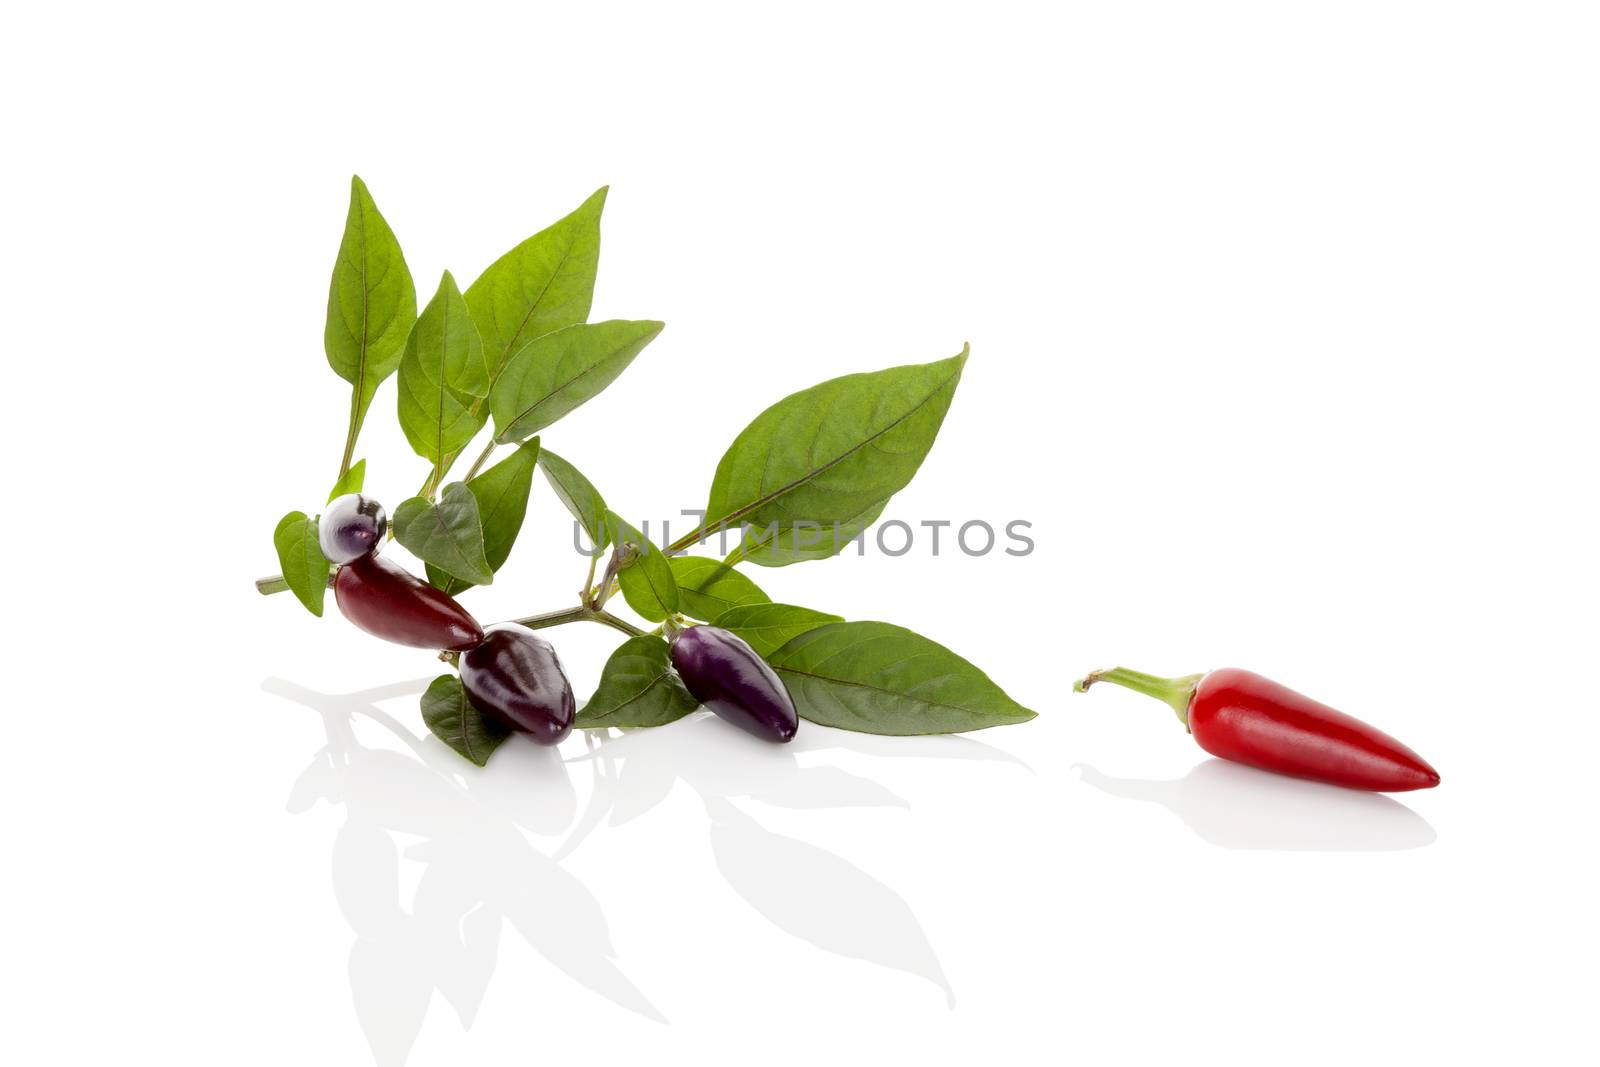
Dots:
pixel 1233 806
pixel 803 890
pixel 479 869
pixel 468 828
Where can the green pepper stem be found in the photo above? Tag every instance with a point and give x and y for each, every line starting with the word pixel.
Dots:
pixel 1174 692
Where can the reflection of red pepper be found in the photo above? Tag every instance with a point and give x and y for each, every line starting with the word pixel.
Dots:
pixel 1244 717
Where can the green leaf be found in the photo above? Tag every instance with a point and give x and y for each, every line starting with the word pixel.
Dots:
pixel 581 498
pixel 301 560
pixel 502 495
pixel 448 534
pixel 768 627
pixel 881 679
pixel 453 720
pixel 352 481
pixel 551 375
pixel 831 454
pixel 443 378
pixel 708 587
pixel 647 582
pixel 371 303
pixel 637 688
pixel 543 284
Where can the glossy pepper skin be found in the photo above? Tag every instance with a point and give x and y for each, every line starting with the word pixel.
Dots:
pixel 387 601
pixel 1241 716
pixel 515 678
pixel 727 676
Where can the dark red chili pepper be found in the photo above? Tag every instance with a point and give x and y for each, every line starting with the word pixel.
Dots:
pixel 1244 717
pixel 731 678
pixel 387 601
pixel 515 678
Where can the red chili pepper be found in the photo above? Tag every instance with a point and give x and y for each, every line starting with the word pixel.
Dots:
pixel 1244 717
pixel 388 601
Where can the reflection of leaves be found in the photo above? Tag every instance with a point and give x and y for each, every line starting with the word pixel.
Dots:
pixel 823 788
pixel 814 738
pixel 643 784
pixel 478 870
pixel 530 785
pixel 366 880
pixel 716 762
pixel 818 897
pixel 462 936
pixel 319 781
pixel 390 984
pixel 578 940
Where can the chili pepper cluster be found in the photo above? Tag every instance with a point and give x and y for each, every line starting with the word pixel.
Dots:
pixel 516 348
pixel 512 676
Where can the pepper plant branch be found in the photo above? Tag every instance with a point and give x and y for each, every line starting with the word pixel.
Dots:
pixel 608 582
pixel 581 613
pixel 276 584
pixel 588 582
pixel 483 457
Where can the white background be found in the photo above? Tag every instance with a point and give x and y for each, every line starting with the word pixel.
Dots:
pixel 1284 335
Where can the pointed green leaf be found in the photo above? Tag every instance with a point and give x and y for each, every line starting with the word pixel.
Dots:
pixel 453 720
pixel 551 375
pixel 353 480
pixel 443 378
pixel 543 284
pixel 301 560
pixel 502 495
pixel 817 468
pixel 371 303
pixel 647 582
pixel 448 534
pixel 709 587
pixel 768 627
pixel 881 679
pixel 579 496
pixel 637 688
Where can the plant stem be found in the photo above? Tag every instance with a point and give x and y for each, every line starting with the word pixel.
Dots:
pixel 350 434
pixel 426 492
pixel 588 583
pixel 483 458
pixel 607 619
pixel 1174 692
pixel 277 584
pixel 581 613
pixel 608 581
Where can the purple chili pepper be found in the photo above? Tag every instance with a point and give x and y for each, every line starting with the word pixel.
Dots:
pixel 515 678
pixel 727 676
